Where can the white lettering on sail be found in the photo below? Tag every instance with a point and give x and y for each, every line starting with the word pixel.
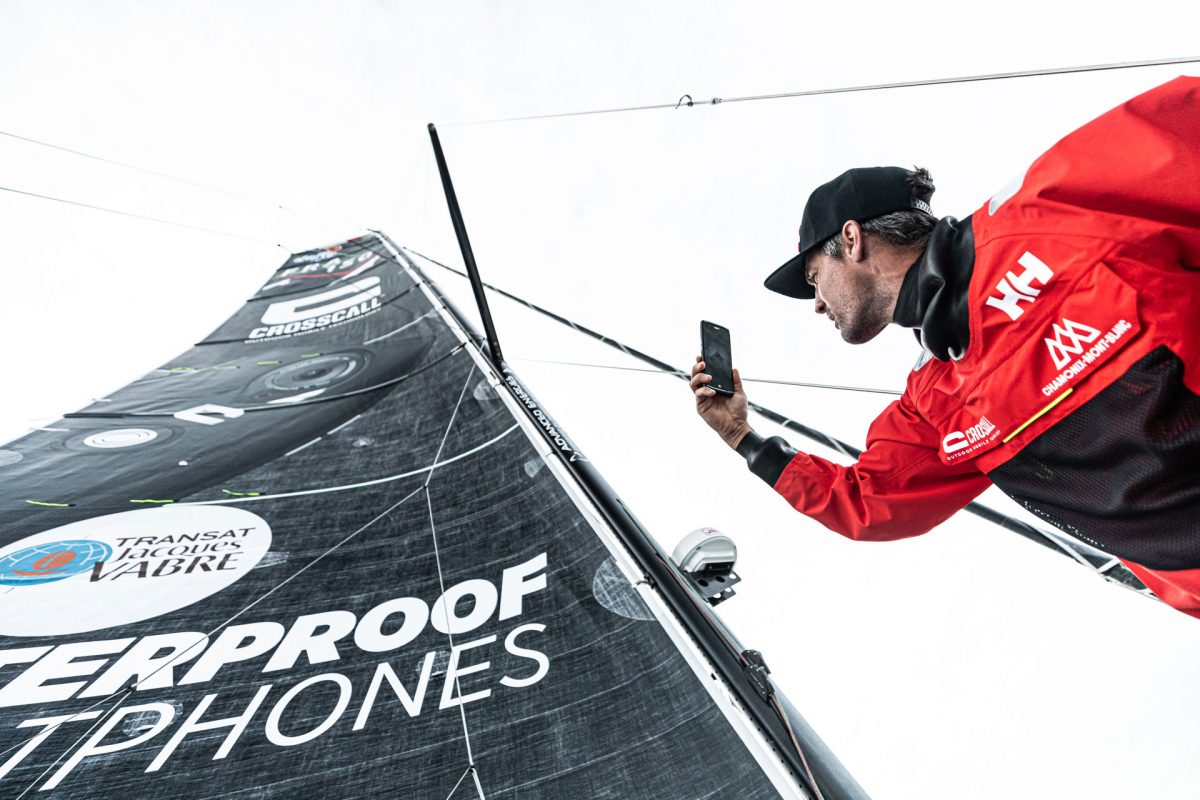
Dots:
pixel 468 673
pixel 199 414
pixel 328 302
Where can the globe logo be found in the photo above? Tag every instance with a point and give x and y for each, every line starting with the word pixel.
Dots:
pixel 51 561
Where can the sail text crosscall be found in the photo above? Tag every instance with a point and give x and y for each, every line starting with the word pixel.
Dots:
pixel 318 311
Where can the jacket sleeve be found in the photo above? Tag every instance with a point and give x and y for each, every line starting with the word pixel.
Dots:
pixel 898 488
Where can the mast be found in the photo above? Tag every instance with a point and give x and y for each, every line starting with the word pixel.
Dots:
pixel 464 245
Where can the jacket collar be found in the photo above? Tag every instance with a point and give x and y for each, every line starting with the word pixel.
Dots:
pixel 933 298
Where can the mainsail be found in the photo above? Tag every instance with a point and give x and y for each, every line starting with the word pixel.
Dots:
pixel 332 550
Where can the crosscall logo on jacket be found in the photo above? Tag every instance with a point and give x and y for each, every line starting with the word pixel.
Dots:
pixel 957 444
pixel 127 567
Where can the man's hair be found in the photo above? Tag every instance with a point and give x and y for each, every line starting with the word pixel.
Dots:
pixel 907 228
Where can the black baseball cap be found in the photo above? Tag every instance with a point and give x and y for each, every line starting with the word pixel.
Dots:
pixel 859 194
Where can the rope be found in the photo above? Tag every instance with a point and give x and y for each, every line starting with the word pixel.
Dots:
pixel 871 87
pixel 787 723
pixel 144 217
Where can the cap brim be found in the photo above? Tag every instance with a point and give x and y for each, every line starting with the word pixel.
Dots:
pixel 790 280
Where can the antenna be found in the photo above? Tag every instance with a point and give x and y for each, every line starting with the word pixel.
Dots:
pixel 464 244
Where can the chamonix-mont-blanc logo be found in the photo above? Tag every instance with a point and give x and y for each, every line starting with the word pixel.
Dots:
pixel 121 568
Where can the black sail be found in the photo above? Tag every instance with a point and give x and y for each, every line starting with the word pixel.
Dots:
pixel 324 553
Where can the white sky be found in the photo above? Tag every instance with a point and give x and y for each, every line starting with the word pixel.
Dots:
pixel 967 663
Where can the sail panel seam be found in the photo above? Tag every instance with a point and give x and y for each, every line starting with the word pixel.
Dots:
pixel 437 556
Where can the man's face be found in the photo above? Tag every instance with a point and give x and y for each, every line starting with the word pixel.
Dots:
pixel 847 293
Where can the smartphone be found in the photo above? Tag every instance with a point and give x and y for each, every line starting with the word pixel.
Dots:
pixel 718 361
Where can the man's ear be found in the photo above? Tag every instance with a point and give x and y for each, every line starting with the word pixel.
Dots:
pixel 852 241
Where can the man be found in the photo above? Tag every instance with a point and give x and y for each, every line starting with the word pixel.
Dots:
pixel 1061 323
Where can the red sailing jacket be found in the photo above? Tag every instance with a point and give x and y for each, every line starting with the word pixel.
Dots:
pixel 1063 320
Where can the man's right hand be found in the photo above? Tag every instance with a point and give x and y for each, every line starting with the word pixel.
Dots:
pixel 725 415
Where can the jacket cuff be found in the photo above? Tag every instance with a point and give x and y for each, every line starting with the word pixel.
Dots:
pixel 767 458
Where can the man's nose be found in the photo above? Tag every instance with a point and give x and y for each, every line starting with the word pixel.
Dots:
pixel 819 305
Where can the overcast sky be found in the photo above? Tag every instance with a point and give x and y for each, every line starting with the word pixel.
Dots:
pixel 967 663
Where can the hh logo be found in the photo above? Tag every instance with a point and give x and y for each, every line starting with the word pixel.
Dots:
pixel 1069 339
pixel 1015 289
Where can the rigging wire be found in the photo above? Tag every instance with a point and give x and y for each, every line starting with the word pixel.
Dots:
pixel 133 167
pixel 871 87
pixel 835 386
pixel 744 380
pixel 144 217
pixel 169 177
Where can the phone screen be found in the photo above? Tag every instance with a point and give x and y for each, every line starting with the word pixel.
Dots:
pixel 718 361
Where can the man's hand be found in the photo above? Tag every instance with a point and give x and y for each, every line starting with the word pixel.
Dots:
pixel 725 415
